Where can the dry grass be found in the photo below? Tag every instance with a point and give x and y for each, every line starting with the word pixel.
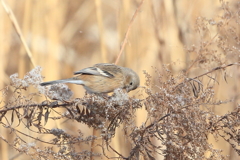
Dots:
pixel 187 107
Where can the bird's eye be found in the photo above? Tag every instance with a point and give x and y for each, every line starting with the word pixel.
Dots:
pixel 131 83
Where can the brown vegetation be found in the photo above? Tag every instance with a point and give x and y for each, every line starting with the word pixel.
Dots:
pixel 186 108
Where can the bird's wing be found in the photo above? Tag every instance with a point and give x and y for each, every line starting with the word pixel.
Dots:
pixel 101 69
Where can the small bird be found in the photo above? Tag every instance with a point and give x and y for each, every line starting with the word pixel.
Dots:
pixel 103 78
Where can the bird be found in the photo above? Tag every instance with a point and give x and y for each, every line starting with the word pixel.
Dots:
pixel 102 78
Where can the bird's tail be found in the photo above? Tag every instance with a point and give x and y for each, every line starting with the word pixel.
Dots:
pixel 70 80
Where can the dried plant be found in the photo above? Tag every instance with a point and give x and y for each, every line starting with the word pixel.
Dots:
pixel 180 107
pixel 178 124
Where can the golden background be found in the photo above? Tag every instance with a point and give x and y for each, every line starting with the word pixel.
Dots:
pixel 65 36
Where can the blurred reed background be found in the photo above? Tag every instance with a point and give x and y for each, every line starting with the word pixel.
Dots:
pixel 66 36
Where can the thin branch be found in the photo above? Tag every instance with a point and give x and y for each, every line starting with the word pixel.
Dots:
pixel 128 31
pixel 120 155
pixel 35 105
pixel 18 30
pixel 214 69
